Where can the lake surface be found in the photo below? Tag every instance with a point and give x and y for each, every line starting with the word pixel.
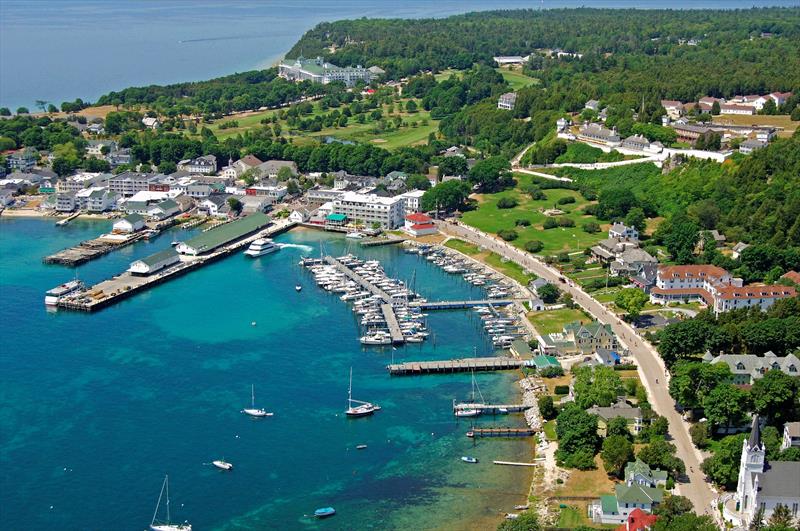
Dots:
pixel 96 408
pixel 57 51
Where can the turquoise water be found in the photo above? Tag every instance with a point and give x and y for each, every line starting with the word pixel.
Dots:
pixel 97 408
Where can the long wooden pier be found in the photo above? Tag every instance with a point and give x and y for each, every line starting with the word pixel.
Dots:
pixel 449 366
pixel 391 322
pixel 458 305
pixel 358 279
pixel 374 242
pixel 501 432
pixel 491 408
pixel 90 249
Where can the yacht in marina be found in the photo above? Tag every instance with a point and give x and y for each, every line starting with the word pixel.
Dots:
pixel 260 247
pixel 253 411
pixel 167 525
pixel 361 409
pixel 378 337
pixel 355 235
pixel 471 411
pixel 52 296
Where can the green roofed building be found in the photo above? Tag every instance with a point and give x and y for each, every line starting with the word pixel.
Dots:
pixel 215 238
pixel 643 489
pixel 155 262
pixel 337 220
pixel 521 349
pixel 543 362
pixel 320 71
pixel 640 472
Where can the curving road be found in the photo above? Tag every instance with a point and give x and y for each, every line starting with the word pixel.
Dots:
pixel 652 371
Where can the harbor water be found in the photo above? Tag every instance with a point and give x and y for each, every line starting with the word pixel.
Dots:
pixel 96 408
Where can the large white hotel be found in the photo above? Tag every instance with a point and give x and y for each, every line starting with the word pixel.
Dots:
pixel 389 212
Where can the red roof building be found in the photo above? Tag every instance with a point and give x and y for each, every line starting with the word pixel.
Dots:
pixel 638 520
pixel 418 224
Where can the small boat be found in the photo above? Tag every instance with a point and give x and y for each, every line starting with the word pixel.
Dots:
pixel 167 525
pixel 253 411
pixel 260 247
pixel 468 412
pixel 470 434
pixel 298 287
pixel 363 409
pixel 361 447
pixel 521 507
pixel 51 297
pixel 175 242
pixel 324 512
pixel 355 235
pixel 502 410
pixel 511 516
pixel 222 465
pixel 468 459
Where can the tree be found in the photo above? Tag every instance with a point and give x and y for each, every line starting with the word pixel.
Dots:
pixel 618 426
pixel 285 173
pixel 673 506
pixel 576 430
pixel 723 467
pixel 632 300
pixel 546 407
pixel 7 143
pixel 96 165
pixel 527 521
pixel 781 515
pixel 699 434
pixel 167 166
pixel 636 219
pixel 235 205
pixel 417 182
pixel 508 234
pixel 617 451
pixel 5 111
pixel 506 202
pixel 591 227
pixel 52 108
pixel 692 381
pixel 598 385
pixel 686 522
pixel 661 454
pixel 548 293
pixel 726 405
pixel 715 110
pixel 64 166
pixel 22 110
pixel 411 106
pixel 616 202
pixel 448 196
pixel 680 237
pixel 775 396
pixel 534 246
pixel 491 174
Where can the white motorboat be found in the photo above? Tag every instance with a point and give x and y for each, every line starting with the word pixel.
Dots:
pixel 167 525
pixel 361 409
pixel 468 412
pixel 355 235
pixel 377 338
pixel 260 247
pixel 222 464
pixel 51 297
pixel 253 411
pixel 298 287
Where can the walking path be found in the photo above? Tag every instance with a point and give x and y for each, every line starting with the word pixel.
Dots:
pixel 652 371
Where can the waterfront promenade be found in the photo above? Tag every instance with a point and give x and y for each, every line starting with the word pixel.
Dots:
pixel 650 365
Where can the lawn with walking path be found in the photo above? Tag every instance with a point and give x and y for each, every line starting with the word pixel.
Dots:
pixel 552 321
pixel 508 268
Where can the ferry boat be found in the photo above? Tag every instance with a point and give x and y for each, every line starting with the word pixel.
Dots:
pixel 222 465
pixel 260 247
pixel 363 409
pixel 166 526
pixel 253 411
pixel 52 296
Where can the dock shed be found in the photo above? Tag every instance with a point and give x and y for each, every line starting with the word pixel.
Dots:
pixel 129 224
pixel 227 233
pixel 154 263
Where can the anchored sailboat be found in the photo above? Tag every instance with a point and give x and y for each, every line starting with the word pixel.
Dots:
pixel 253 411
pixel 470 411
pixel 363 409
pixel 166 526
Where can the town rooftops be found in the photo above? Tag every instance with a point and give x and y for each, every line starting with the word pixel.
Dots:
pixel 419 218
pixel 543 362
pixel 618 409
pixel 756 365
pixel 779 479
pixel 691 271
pixel 639 494
pixel 336 217
pixel 794 276
pixel 638 520
pixel 250 160
pixel 641 468
pixel 755 292
pixel 792 429
pixel 133 218
pixel 671 103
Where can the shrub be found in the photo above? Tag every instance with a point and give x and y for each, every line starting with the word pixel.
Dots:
pixel 563 257
pixel 522 222
pixel 551 372
pixel 562 390
pixel 507 202
pixel 534 246
pixel 591 227
pixel 508 234
pixel 565 222
pixel 566 200
pixel 546 407
pixel 699 433
pixel 550 223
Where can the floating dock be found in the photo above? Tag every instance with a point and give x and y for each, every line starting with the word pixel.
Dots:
pixel 374 242
pixel 449 366
pixel 91 249
pixel 500 432
pixel 514 463
pixel 358 279
pixel 459 305
pixel 126 284
pixel 491 408
pixel 391 322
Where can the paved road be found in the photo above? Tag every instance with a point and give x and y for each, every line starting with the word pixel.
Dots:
pixel 651 367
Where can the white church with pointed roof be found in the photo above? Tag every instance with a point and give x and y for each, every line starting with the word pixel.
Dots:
pixel 763 484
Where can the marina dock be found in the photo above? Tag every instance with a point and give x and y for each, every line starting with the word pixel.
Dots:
pixel 449 366
pixel 501 432
pixel 374 242
pixel 126 284
pixel 361 281
pixel 491 408
pixel 391 322
pixel 458 305
pixel 91 249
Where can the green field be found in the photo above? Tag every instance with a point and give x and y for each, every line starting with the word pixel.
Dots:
pixel 516 78
pixel 549 428
pixel 461 246
pixel 551 321
pixel 489 218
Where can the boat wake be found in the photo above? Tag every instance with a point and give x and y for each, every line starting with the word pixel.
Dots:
pixel 304 248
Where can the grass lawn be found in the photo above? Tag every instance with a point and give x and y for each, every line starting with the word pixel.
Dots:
pixel 550 430
pixel 444 74
pixel 552 321
pixel 587 482
pixel 778 120
pixel 516 78
pixel 571 516
pixel 551 384
pixel 510 269
pixel 489 218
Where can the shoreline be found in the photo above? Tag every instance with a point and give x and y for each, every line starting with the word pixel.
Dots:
pixel 37 214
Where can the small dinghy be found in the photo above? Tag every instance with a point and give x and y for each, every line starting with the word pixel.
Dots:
pixel 222 465
pixel 324 512
pixel 361 447
pixel 298 287
pixel 468 459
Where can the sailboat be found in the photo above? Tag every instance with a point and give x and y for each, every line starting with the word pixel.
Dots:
pixel 363 409
pixel 166 526
pixel 253 411
pixel 472 411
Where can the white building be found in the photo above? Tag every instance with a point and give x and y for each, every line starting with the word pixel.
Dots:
pixel 388 212
pixel 205 165
pixel 65 202
pixel 274 192
pixel 419 224
pixel 508 60
pixel 164 209
pixel 129 224
pixel 791 435
pixel 764 485
pixel 507 101
pixel 323 195
pixel 150 122
pixel 620 230
pixel 413 200
pixel 79 181
pixel 674 108
pixel 154 263
pixel 320 71
pixel 234 170
pixel 128 183
pixel 94 148
pixel 300 215
pixel 732 108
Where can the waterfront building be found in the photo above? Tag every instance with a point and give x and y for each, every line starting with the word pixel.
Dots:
pixel 215 238
pixel 320 71
pixel 387 212
pixel 323 195
pixel 413 200
pixel 419 224
pixel 579 338
pixel 762 484
pixel 129 224
pixel 99 199
pixel 79 181
pixel 747 368
pixel 65 202
pixel 163 210
pixel 215 205
pixel 154 263
pixel 129 183
pixel 205 165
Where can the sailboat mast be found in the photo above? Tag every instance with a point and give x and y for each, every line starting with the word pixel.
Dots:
pixel 166 482
pixel 252 396
pixel 158 503
pixel 350 389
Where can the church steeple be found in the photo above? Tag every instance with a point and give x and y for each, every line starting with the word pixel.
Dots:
pixel 755 434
